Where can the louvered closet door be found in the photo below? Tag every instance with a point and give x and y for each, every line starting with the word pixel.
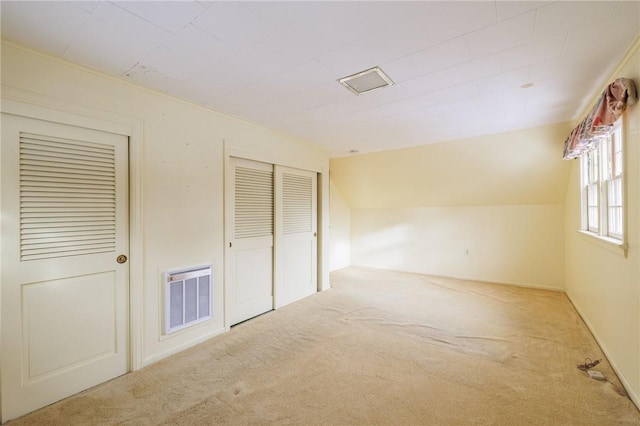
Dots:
pixel 251 251
pixel 296 232
pixel 64 295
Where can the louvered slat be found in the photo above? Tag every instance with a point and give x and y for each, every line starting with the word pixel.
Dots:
pixel 67 197
pixel 254 203
pixel 297 203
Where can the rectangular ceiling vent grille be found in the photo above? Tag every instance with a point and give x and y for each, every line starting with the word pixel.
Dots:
pixel 366 81
pixel 67 197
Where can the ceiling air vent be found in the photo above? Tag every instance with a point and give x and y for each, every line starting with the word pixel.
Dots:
pixel 366 81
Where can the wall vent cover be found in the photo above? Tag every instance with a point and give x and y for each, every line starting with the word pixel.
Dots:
pixel 188 298
pixel 366 81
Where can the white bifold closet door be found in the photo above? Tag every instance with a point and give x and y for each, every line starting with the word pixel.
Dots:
pixel 272 228
pixel 250 266
pixel 296 235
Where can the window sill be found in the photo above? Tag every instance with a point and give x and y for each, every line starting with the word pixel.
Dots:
pixel 610 244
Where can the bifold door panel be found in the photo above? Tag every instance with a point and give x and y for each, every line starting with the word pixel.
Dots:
pixel 296 234
pixel 271 227
pixel 251 243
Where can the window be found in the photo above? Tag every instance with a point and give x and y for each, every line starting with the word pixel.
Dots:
pixel 602 174
pixel 614 185
pixel 592 187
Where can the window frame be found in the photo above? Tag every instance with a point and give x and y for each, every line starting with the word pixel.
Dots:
pixel 615 172
pixel 591 191
pixel 600 169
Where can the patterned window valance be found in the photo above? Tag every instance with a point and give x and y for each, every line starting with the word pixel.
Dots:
pixel 599 121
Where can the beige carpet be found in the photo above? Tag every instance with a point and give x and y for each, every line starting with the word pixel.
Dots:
pixel 379 348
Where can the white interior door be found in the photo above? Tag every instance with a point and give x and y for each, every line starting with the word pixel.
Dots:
pixel 250 234
pixel 64 295
pixel 296 235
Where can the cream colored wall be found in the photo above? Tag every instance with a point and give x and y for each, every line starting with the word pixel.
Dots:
pixel 182 177
pixel 520 245
pixel 340 239
pixel 500 197
pixel 515 168
pixel 603 284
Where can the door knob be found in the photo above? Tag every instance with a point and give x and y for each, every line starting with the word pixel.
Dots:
pixel 121 259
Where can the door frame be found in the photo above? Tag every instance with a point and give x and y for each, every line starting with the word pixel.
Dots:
pixel 31 105
pixel 265 153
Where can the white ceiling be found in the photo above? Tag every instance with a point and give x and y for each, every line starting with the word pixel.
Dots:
pixel 459 67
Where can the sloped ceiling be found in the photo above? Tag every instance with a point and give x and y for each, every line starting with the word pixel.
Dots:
pixel 461 69
pixel 513 168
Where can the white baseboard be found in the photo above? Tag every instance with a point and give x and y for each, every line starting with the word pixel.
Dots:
pixel 174 350
pixel 476 279
pixel 632 395
pixel 514 284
